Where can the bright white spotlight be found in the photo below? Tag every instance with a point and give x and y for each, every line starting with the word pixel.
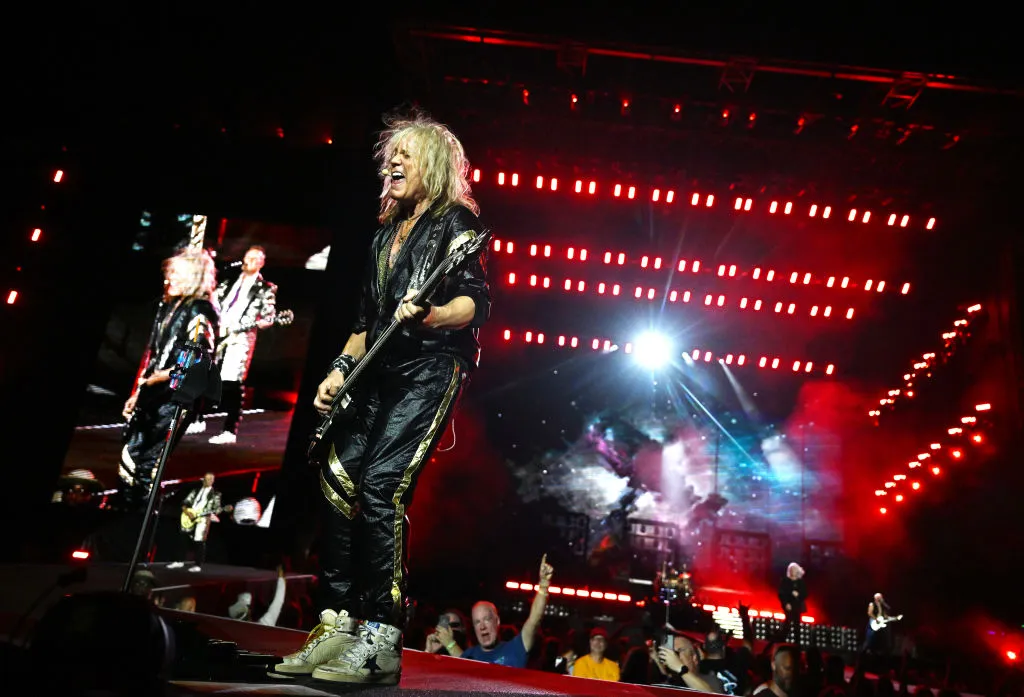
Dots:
pixel 652 350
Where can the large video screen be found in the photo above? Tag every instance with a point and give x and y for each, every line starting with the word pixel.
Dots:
pixel 266 279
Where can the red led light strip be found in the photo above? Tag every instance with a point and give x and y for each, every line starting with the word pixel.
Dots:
pixel 694 266
pixel 607 345
pixel 626 598
pixel 695 199
pixel 712 300
pixel 927 362
pixel 572 592
pixel 899 481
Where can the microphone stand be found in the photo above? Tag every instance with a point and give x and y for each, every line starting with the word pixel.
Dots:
pixel 192 377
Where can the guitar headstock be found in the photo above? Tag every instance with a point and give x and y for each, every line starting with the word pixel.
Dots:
pixel 284 317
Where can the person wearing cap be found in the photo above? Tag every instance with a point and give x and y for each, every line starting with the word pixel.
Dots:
pixel 242 607
pixel 143 583
pixel 594 664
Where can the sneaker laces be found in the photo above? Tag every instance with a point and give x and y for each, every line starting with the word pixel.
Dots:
pixel 320 632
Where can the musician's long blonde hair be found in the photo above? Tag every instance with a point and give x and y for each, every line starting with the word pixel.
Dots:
pixel 442 161
pixel 202 273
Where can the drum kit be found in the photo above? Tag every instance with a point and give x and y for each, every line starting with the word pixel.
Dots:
pixel 672 585
pixel 673 590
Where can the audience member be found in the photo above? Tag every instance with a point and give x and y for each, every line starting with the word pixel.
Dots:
pixel 451 629
pixel 514 651
pixel 242 607
pixel 680 665
pixel 594 664
pixel 785 665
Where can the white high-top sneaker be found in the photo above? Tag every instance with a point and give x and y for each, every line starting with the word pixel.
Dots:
pixel 328 640
pixel 375 658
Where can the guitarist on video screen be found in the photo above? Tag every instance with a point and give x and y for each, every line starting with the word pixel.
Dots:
pixel 404 405
pixel 199 510
pixel 184 313
pixel 248 303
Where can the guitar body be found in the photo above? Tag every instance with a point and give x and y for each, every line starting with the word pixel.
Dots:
pixel 190 517
pixel 149 397
pixel 323 436
pixel 282 319
pixel 883 622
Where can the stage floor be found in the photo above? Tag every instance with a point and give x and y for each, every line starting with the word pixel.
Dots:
pixel 261 442
pixel 422 673
pixel 21 585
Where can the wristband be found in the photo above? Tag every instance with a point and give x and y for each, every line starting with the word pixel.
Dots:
pixel 450 645
pixel 344 363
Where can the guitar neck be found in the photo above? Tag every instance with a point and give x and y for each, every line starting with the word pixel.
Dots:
pixel 422 294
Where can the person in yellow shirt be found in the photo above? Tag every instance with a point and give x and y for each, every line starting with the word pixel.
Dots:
pixel 595 665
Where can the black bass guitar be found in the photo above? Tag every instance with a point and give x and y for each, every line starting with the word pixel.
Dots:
pixel 319 444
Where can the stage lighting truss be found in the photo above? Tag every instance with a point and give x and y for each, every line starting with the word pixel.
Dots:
pixel 688 267
pixel 695 355
pixel 711 301
pixel 931 461
pixel 698 199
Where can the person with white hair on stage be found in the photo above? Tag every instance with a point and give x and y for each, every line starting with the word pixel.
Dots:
pixel 793 596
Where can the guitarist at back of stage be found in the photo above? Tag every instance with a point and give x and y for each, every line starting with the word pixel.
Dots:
pixel 876 638
pixel 200 508
pixel 247 303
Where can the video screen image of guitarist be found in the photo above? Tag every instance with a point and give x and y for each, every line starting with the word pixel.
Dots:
pixel 268 280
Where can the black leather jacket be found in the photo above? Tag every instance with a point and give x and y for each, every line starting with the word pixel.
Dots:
pixel 428 243
pixel 174 324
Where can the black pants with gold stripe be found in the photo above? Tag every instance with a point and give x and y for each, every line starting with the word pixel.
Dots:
pixel 369 479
